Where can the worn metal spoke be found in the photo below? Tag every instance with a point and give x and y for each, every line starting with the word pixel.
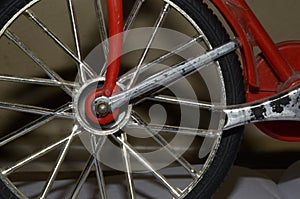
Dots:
pixel 86 171
pixel 35 110
pixel 133 14
pixel 102 27
pixel 99 173
pixel 128 169
pixel 81 70
pixel 103 34
pixel 127 76
pixel 170 76
pixel 58 164
pixel 176 192
pixel 211 106
pixel 36 81
pixel 82 178
pixel 210 133
pixel 162 142
pixel 36 155
pixel 33 125
pixel 53 75
pixel 88 70
pixel 157 25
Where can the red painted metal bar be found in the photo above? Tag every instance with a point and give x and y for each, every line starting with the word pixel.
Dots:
pixel 239 16
pixel 250 32
pixel 250 73
pixel 115 17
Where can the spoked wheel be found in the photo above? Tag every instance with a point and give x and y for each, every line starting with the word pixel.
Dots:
pixel 58 141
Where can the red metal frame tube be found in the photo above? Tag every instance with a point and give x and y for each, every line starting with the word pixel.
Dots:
pixel 250 31
pixel 239 16
pixel 115 18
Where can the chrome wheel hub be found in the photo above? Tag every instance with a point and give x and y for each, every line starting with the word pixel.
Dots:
pixel 93 112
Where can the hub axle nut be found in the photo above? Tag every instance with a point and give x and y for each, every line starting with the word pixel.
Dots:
pixel 102 108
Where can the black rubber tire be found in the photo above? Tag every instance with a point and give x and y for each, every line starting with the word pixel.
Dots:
pixel 233 78
pixel 235 94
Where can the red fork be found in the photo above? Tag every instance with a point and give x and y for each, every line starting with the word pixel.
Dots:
pixel 115 17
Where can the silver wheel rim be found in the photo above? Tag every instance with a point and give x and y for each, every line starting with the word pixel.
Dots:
pixel 64 111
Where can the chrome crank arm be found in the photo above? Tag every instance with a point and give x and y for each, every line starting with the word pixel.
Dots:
pixel 284 106
pixel 170 75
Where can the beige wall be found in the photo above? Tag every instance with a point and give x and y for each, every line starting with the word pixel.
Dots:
pixel 279 17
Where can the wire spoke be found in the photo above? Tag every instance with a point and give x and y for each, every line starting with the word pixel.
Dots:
pixel 53 75
pixel 214 107
pixel 102 26
pixel 158 24
pixel 162 142
pixel 176 192
pixel 103 34
pixel 133 14
pixel 89 71
pixel 36 81
pixel 33 125
pixel 82 178
pixel 170 76
pixel 99 174
pixel 81 70
pixel 36 155
pixel 86 171
pixel 177 130
pixel 58 164
pixel 35 110
pixel 128 173
pixel 180 48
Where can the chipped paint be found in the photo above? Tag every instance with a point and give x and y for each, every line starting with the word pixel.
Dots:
pixel 285 106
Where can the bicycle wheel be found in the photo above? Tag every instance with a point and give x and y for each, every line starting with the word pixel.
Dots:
pixel 53 60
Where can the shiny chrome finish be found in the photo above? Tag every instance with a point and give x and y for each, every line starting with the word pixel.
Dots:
pixel 133 14
pixel 102 108
pixel 162 142
pixel 99 173
pixel 145 67
pixel 128 169
pixel 86 67
pixel 285 106
pixel 17 193
pixel 157 25
pixel 79 109
pixel 103 34
pixel 33 125
pixel 185 102
pixel 210 133
pixel 102 27
pixel 58 164
pixel 35 110
pixel 6 26
pixel 173 190
pixel 87 76
pixel 168 76
pixel 36 155
pixel 87 169
pixel 82 178
pixel 36 81
pixel 53 75
pixel 81 71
